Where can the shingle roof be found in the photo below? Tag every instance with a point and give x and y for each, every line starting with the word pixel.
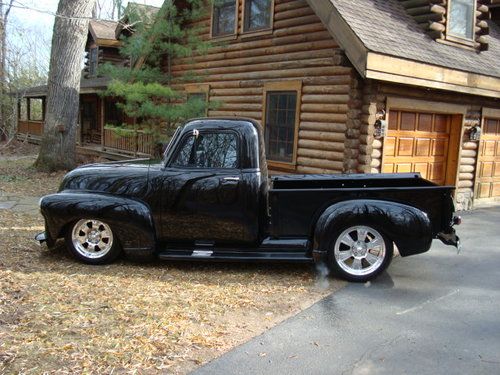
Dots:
pixel 383 26
pixel 87 85
pixel 103 29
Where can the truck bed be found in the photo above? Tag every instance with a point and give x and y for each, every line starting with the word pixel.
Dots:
pixel 311 194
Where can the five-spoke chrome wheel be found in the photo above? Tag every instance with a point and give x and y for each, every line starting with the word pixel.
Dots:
pixel 360 252
pixel 92 240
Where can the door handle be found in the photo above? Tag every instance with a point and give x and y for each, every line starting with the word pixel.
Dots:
pixel 231 179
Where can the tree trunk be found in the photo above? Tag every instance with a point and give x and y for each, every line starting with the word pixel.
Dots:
pixel 57 151
pixel 4 16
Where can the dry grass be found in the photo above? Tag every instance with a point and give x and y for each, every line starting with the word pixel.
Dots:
pixel 59 316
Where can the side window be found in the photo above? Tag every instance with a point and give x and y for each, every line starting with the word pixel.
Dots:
pixel 209 150
pixel 258 15
pixel 223 18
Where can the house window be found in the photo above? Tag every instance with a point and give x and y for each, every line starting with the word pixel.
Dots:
pixel 35 109
pixel 197 99
pixel 282 111
pixel 112 114
pixel 208 150
pixel 462 18
pixel 258 15
pixel 23 109
pixel 93 60
pixel 224 18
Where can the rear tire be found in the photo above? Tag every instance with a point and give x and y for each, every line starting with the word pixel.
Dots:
pixel 359 253
pixel 93 242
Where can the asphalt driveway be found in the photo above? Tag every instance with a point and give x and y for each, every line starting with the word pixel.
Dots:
pixel 435 313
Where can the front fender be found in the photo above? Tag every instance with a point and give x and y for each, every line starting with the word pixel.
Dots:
pixel 130 219
pixel 407 226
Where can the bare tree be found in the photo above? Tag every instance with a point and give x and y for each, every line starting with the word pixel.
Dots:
pixel 4 17
pixel 57 149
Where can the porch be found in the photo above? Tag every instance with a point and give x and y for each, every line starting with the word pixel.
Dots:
pixel 93 138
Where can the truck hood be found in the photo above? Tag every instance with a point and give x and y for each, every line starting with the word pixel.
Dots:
pixel 130 179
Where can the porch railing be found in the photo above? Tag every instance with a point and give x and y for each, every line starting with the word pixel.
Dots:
pixel 29 127
pixel 132 141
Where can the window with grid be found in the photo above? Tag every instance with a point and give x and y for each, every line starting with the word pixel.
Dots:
pixel 224 18
pixel 461 18
pixel 281 112
pixel 257 15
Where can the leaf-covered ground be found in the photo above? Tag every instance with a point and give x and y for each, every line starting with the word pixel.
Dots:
pixel 59 316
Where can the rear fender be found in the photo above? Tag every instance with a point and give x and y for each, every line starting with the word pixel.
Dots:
pixel 407 226
pixel 131 220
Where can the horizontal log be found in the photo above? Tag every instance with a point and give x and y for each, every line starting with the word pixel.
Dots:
pixel 463 176
pixel 237 99
pixel 467 168
pixel 470 146
pixel 323 126
pixel 325 108
pixel 467 161
pixel 323 117
pixel 465 184
pixel 309 170
pixel 326 89
pixel 319 154
pixel 320 163
pixel 321 145
pixel 293 13
pixel 469 153
pixel 322 136
pixel 327 99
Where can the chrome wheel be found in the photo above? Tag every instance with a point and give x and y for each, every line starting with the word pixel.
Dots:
pixel 92 239
pixel 360 250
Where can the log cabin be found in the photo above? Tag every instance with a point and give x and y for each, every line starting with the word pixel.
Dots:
pixel 96 111
pixel 362 86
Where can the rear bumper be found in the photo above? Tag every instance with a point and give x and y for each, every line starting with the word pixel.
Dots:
pixel 450 238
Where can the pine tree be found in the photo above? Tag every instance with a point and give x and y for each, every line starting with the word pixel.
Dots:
pixel 145 89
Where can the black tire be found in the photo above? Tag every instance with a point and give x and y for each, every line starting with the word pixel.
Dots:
pixel 92 241
pixel 363 259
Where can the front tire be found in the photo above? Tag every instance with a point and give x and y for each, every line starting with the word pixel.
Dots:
pixel 93 242
pixel 359 253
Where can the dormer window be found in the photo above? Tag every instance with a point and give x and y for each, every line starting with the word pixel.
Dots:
pixel 461 20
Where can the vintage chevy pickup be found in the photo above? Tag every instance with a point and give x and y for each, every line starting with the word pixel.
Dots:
pixel 211 199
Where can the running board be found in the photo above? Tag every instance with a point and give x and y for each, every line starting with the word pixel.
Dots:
pixel 234 256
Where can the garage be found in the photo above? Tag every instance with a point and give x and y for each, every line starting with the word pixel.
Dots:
pixel 420 142
pixel 489 160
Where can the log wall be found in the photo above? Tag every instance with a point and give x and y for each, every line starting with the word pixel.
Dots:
pixel 298 49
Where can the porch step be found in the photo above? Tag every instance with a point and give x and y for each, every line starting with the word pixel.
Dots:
pixel 234 256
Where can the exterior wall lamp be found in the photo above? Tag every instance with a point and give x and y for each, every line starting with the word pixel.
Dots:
pixel 380 125
pixel 475 133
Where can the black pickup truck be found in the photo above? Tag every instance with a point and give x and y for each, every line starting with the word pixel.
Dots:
pixel 211 199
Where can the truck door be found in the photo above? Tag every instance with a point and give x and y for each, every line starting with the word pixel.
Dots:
pixel 205 193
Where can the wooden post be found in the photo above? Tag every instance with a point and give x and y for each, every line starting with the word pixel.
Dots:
pixel 101 121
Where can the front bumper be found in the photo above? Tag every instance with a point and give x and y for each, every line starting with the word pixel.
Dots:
pixel 45 237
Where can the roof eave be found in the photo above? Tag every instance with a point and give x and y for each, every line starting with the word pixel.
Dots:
pixel 342 32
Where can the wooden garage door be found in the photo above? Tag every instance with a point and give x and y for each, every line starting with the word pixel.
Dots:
pixel 419 142
pixel 489 160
